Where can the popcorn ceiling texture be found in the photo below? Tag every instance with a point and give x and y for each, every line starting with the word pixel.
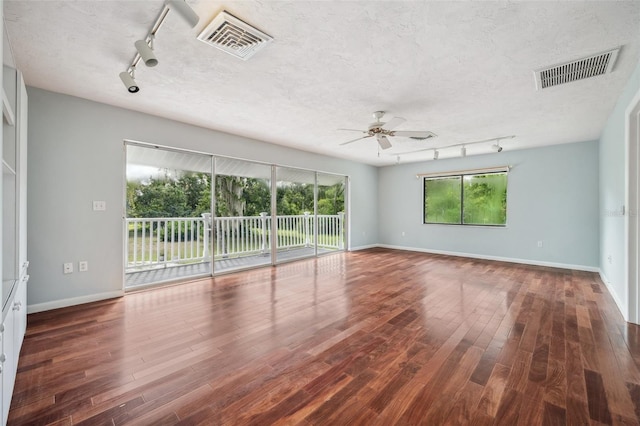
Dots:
pixel 459 69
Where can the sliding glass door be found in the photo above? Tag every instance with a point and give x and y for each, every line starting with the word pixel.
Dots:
pixel 242 221
pixel 331 221
pixel 295 213
pixel 168 221
pixel 190 214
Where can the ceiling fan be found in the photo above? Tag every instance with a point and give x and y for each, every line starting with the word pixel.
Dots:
pixel 382 131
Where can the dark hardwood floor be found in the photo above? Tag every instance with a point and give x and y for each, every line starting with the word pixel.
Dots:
pixel 376 337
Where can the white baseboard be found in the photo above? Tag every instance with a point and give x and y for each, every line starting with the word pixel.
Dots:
pixel 622 308
pixel 497 258
pixel 368 246
pixel 47 306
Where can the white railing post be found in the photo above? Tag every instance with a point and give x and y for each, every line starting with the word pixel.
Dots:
pixel 207 228
pixel 263 220
pixel 222 235
pixel 307 240
pixel 341 230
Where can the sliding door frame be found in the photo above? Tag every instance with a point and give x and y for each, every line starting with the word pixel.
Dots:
pixel 273 207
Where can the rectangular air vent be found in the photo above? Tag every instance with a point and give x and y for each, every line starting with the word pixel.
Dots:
pixel 234 36
pixel 579 69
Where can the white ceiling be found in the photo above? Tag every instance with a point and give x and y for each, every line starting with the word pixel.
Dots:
pixel 462 70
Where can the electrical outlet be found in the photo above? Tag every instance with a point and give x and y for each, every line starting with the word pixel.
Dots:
pixel 83 266
pixel 403 233
pixel 610 259
pixel 99 206
pixel 540 244
pixel 67 268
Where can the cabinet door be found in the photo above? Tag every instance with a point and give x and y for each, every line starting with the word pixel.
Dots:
pixel 20 317
pixel 8 364
pixel 2 409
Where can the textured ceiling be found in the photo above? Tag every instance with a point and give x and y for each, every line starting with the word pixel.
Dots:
pixel 462 70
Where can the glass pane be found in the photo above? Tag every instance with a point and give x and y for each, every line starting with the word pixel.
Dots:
pixel 485 199
pixel 331 213
pixel 442 200
pixel 242 220
pixel 295 213
pixel 168 193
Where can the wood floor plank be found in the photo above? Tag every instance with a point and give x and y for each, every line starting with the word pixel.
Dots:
pixel 374 337
pixel 596 397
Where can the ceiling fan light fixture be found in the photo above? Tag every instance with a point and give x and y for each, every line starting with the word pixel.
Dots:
pixel 384 142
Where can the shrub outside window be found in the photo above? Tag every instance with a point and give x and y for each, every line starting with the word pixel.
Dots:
pixel 471 199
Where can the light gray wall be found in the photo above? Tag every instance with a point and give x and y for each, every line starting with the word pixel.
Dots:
pixel 612 195
pixel 76 156
pixel 552 197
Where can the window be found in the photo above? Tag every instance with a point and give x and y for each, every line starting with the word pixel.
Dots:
pixel 466 199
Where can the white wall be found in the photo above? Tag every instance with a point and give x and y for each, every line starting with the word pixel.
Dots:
pixel 552 197
pixel 76 156
pixel 612 195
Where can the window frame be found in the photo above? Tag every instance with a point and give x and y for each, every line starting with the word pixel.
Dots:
pixel 461 176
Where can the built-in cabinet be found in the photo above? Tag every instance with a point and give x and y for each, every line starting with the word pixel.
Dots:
pixel 14 230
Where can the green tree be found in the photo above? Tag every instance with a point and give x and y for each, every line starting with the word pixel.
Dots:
pixel 331 199
pixel 158 198
pixel 257 195
pixel 294 199
pixel 229 196
pixel 189 195
pixel 197 190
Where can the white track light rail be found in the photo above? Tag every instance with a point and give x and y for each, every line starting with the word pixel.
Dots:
pixel 144 47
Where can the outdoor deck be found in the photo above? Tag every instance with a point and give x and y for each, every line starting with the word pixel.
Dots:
pixel 138 279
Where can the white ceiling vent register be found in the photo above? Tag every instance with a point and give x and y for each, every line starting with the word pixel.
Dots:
pixel 234 36
pixel 579 69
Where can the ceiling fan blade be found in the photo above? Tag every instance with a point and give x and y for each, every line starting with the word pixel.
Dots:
pixel 383 141
pixel 354 130
pixel 413 134
pixel 355 140
pixel 393 123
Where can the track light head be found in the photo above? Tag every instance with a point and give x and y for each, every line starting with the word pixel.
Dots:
pixel 436 154
pixel 129 81
pixel 497 147
pixel 146 53
pixel 184 10
pixel 463 151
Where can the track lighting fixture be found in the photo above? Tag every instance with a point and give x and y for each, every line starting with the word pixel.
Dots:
pixel 144 47
pixel 184 10
pixel 463 147
pixel 145 50
pixel 128 78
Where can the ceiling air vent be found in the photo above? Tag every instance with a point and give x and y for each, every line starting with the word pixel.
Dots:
pixel 234 36
pixel 579 69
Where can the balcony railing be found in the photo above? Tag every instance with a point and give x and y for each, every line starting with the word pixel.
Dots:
pixel 158 242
